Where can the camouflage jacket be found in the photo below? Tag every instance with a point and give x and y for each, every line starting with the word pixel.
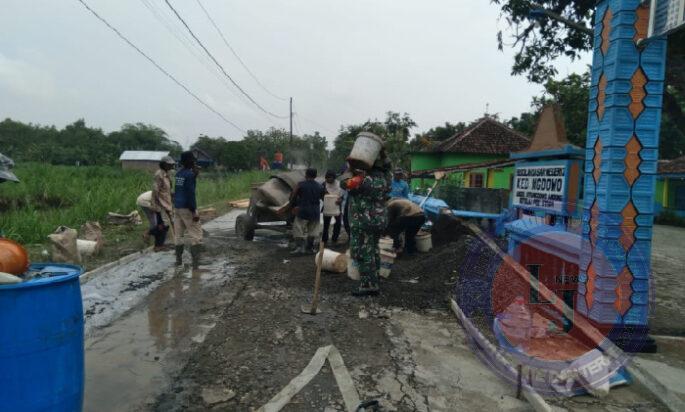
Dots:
pixel 367 203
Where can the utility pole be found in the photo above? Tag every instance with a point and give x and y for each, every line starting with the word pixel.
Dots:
pixel 291 120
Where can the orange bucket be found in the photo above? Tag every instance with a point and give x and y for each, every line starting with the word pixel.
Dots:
pixel 13 257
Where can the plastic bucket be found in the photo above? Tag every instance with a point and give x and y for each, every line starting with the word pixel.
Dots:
pixel 352 267
pixel 387 260
pixel 41 342
pixel 365 151
pixel 386 243
pixel 330 205
pixel 424 242
pixel 333 261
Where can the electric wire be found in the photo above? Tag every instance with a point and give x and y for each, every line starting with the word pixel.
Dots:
pixel 219 64
pixel 188 43
pixel 160 68
pixel 324 128
pixel 242 63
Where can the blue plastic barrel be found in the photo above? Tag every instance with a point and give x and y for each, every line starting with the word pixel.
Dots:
pixel 41 342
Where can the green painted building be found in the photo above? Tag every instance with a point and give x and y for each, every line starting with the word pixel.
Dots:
pixel 479 156
pixel 670 187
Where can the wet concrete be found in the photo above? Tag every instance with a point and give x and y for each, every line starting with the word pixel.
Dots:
pixel 668 261
pixel 145 317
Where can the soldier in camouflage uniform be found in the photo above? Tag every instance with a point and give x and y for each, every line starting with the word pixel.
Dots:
pixel 368 219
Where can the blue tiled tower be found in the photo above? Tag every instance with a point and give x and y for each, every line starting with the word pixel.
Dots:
pixel 620 172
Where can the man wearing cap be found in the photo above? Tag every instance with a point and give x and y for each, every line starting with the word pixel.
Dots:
pixel 186 218
pixel 399 187
pixel 159 210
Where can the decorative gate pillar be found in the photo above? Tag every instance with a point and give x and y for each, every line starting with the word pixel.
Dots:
pixel 620 172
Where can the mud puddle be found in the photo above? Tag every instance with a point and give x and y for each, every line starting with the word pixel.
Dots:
pixel 129 360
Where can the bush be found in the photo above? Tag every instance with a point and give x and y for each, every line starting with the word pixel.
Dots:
pixel 50 196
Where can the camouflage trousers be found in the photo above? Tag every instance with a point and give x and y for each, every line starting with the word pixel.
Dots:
pixel 365 251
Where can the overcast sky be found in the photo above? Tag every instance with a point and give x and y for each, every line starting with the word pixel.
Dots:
pixel 343 61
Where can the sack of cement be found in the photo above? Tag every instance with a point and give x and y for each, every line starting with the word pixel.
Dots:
pixel 86 247
pixel 64 248
pixel 8 279
pixel 132 218
pixel 93 231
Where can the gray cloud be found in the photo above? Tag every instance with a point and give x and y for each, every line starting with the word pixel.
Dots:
pixel 343 61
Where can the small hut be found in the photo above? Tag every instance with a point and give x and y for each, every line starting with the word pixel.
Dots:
pixel 141 159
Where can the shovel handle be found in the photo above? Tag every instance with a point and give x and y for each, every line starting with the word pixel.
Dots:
pixel 317 280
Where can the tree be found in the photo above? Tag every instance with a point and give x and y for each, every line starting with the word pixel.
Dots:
pixel 78 143
pixel 436 135
pixel 539 41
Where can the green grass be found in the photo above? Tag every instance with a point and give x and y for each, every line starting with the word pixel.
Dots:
pixel 49 196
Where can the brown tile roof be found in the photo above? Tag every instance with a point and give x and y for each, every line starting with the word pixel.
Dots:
pixel 485 136
pixel 675 166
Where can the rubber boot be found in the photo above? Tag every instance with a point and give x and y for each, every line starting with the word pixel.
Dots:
pixel 309 247
pixel 301 247
pixel 366 289
pixel 195 251
pixel 179 255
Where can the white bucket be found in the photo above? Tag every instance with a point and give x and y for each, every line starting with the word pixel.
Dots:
pixel 333 261
pixel 330 206
pixel 386 243
pixel 352 268
pixel 424 242
pixel 86 247
pixel 387 260
pixel 365 151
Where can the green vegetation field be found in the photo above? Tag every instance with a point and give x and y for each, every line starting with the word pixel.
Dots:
pixel 50 196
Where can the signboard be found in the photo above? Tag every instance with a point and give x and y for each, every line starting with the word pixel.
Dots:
pixel 666 16
pixel 541 187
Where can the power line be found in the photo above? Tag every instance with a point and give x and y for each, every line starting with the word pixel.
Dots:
pixel 242 63
pixel 317 124
pixel 219 64
pixel 187 42
pixel 160 68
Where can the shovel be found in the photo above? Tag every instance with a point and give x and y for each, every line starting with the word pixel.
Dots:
pixel 438 177
pixel 314 309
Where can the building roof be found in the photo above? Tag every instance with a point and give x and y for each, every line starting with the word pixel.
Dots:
pixel 670 167
pixel 549 139
pixel 144 155
pixel 485 136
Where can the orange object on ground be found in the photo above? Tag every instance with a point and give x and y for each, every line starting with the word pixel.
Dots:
pixel 13 257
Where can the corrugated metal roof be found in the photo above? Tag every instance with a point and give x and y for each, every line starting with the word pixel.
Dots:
pixel 142 155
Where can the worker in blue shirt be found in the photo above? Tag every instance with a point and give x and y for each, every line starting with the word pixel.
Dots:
pixel 399 187
pixel 186 217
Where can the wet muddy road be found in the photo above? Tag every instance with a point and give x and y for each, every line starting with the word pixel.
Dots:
pixel 232 336
pixel 143 319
